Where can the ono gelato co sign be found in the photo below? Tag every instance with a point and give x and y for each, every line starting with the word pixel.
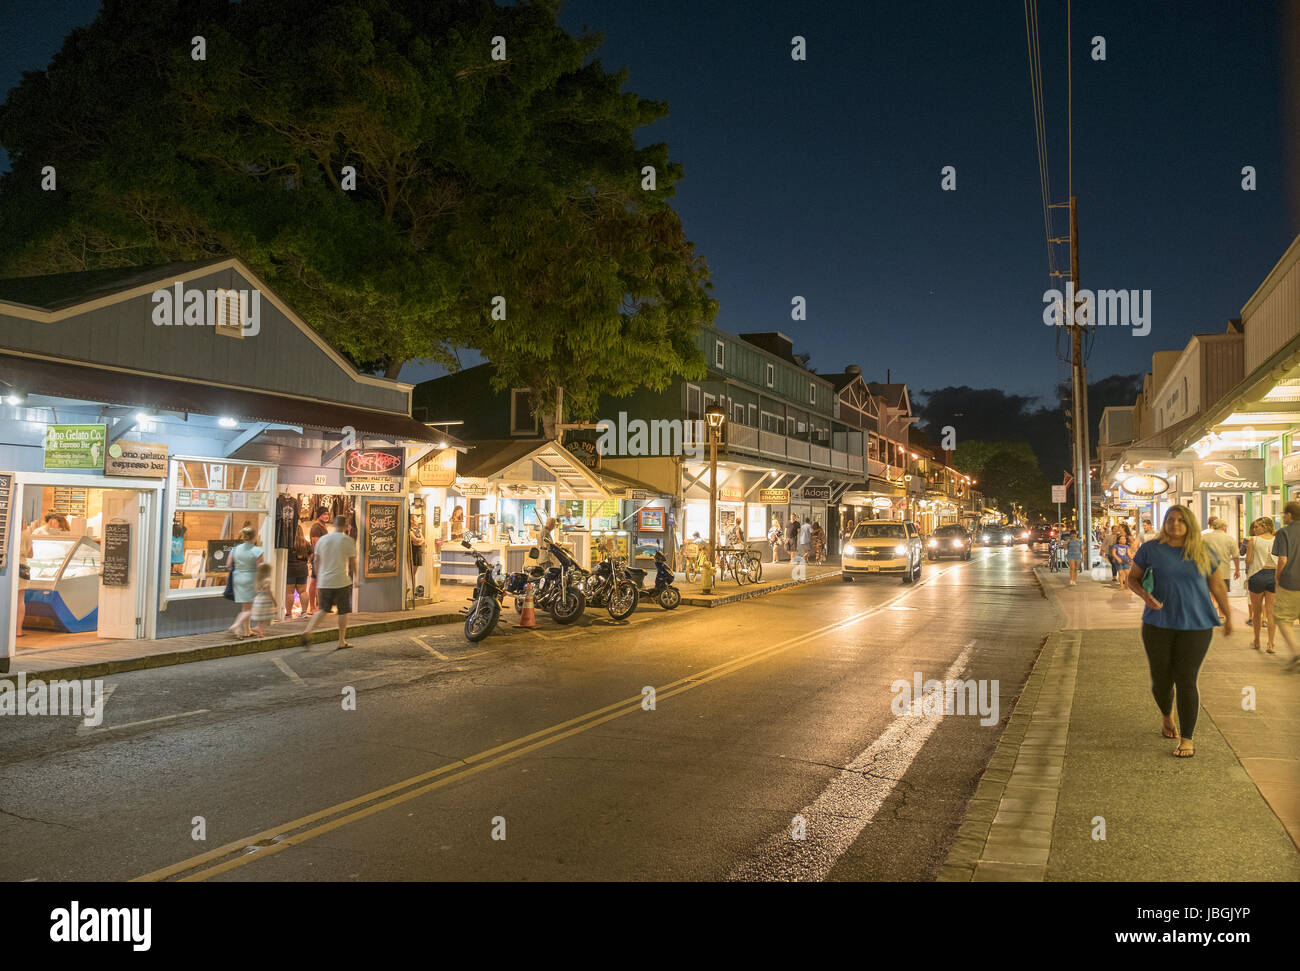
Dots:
pixel 75 446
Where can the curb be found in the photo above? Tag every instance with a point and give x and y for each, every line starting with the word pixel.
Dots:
pixel 972 835
pixel 231 649
pixel 755 592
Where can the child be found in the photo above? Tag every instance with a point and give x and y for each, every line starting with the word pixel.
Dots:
pixel 264 605
pixel 1073 553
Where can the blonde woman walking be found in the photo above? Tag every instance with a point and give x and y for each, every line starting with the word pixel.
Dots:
pixel 1261 567
pixel 1179 620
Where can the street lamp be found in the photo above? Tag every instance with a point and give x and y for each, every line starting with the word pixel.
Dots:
pixel 716 417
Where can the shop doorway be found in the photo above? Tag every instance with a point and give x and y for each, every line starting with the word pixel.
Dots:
pixel 86 550
pixel 1230 507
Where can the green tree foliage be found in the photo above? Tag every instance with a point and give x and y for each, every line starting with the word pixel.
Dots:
pixel 475 178
pixel 1006 471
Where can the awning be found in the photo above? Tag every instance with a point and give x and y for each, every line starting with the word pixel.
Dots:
pixel 85 383
pixel 491 458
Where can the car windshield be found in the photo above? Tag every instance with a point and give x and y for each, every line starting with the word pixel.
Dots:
pixel 950 531
pixel 879 531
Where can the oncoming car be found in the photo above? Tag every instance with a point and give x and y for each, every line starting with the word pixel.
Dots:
pixel 883 546
pixel 950 540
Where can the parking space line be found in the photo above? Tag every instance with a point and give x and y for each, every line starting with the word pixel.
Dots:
pixel 151 721
pixel 290 673
pixel 436 653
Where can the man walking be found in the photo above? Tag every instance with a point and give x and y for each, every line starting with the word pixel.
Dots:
pixel 805 539
pixel 336 564
pixel 1221 545
pixel 1286 602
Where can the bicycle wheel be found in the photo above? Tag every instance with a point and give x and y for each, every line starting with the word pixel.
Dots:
pixel 740 569
pixel 692 569
pixel 756 566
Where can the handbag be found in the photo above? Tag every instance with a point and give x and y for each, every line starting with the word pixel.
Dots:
pixel 1149 580
pixel 230 586
pixel 24 571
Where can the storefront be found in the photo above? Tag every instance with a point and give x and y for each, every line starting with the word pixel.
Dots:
pixel 151 474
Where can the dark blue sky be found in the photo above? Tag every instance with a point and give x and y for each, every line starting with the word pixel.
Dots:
pixel 821 178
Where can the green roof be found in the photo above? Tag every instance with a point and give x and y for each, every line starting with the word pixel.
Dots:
pixel 58 290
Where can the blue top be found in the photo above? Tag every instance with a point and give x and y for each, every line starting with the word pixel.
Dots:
pixel 244 562
pixel 1180 587
pixel 1074 549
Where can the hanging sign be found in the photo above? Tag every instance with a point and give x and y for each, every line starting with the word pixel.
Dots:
pixel 1144 486
pixel 140 459
pixel 1291 467
pixel 381 487
pixel 636 495
pixel 373 462
pixel 1231 475
pixel 817 492
pixel 774 497
pixel 731 494
pixel 471 490
pixel 75 446
pixel 438 470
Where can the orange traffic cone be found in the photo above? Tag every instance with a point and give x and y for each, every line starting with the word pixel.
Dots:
pixel 527 618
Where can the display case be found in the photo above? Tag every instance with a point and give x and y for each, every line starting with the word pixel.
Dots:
pixel 63 593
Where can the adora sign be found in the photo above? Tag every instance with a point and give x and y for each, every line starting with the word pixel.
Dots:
pixel 1144 486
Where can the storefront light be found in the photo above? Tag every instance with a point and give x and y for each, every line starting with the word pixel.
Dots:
pixel 442 445
pixel 13 399
pixel 227 422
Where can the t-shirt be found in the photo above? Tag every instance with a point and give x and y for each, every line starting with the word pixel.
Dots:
pixel 1120 549
pixel 805 534
pixel 1287 543
pixel 286 521
pixel 1222 546
pixel 332 554
pixel 1179 586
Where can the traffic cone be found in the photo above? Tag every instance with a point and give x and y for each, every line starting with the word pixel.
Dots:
pixel 527 618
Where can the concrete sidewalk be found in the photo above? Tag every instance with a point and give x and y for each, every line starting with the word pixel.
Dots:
pixel 1083 751
pixel 776 576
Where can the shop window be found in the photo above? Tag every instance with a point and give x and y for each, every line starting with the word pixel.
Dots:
pixel 213 501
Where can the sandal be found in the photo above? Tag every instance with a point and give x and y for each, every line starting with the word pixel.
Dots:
pixel 1185 749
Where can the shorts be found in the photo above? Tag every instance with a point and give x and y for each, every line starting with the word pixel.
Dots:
pixel 1286 606
pixel 296 577
pixel 1262 581
pixel 340 597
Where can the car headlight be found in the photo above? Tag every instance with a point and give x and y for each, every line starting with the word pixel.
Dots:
pixel 850 550
pixel 901 549
pixel 985 537
pixel 934 542
pixel 956 544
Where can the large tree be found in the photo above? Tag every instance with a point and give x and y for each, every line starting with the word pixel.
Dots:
pixel 476 178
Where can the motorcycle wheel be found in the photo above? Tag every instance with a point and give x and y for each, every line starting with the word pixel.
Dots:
pixel 669 597
pixel 623 600
pixel 482 619
pixel 568 606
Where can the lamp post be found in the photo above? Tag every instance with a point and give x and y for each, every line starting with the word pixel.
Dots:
pixel 716 417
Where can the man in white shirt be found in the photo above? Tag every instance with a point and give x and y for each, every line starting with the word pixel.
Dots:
pixel 805 539
pixel 1225 550
pixel 335 557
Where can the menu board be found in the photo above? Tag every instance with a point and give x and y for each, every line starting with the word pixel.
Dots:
pixel 116 570
pixel 382 520
pixel 6 496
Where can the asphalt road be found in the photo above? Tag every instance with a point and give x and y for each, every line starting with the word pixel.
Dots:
pixel 771 718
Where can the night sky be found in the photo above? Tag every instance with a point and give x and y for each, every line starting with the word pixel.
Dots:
pixel 822 178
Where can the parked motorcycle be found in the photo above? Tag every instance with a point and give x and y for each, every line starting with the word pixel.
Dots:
pixel 557 589
pixel 489 590
pixel 611 587
pixel 664 592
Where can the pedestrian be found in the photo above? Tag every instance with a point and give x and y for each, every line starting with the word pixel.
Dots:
pixel 1286 602
pixel 818 543
pixel 318 529
pixel 774 538
pixel 545 540
pixel 1074 556
pixel 805 539
pixel 25 553
pixel 1261 578
pixel 1224 549
pixel 295 577
pixel 456 525
pixel 244 560
pixel 792 536
pixel 264 605
pixel 1179 618
pixel 1121 550
pixel 336 564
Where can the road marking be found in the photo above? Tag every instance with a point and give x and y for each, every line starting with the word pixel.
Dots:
pixel 152 721
pixel 326 820
pixel 289 672
pixel 438 654
pixel 846 807
pixel 96 714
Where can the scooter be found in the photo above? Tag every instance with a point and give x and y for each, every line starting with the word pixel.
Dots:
pixel 667 595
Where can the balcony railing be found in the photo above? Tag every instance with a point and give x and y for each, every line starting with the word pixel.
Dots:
pixel 741 438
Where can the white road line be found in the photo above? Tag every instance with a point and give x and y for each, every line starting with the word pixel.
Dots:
pixel 438 654
pixel 290 673
pixel 150 721
pixel 839 815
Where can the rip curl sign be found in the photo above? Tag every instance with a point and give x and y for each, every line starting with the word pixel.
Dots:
pixel 1229 475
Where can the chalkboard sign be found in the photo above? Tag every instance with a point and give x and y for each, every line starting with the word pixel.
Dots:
pixel 117 555
pixel 219 554
pixel 381 538
pixel 6 495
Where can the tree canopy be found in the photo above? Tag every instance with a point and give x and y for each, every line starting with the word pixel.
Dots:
pixel 481 183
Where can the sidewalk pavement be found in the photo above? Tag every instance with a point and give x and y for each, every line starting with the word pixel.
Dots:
pixel 118 656
pixel 1083 751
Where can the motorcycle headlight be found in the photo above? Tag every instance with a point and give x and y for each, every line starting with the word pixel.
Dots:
pixel 901 549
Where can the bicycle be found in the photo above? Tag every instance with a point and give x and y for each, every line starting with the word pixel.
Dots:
pixel 729 560
pixel 690 559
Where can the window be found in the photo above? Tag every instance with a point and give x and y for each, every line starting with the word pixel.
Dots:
pixel 214 500
pixel 738 414
pixel 694 404
pixel 771 375
pixel 812 394
pixel 719 356
pixel 522 421
pixel 229 307
pixel 753 416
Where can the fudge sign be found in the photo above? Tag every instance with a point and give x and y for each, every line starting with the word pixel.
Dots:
pixel 371 462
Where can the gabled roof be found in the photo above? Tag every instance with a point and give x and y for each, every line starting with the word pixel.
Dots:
pixel 895 395
pixel 57 291
pixel 492 457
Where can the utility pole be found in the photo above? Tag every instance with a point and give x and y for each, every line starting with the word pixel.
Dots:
pixel 1079 409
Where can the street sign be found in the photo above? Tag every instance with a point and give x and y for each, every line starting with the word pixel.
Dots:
pixel 1058 493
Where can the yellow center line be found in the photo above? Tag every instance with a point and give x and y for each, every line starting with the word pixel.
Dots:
pixel 387 797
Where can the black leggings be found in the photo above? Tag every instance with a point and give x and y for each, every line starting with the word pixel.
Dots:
pixel 1175 658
